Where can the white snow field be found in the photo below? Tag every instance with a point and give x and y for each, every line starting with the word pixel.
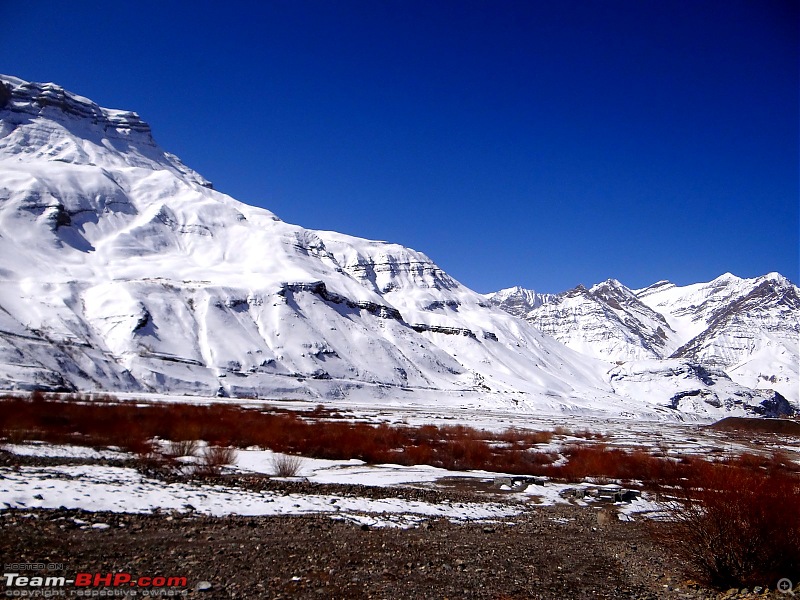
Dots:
pixel 97 488
pixel 114 489
pixel 124 271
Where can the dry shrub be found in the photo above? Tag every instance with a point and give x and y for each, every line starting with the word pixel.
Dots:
pixel 102 421
pixel 777 461
pixel 425 434
pixel 538 437
pixel 136 442
pixel 588 461
pixel 748 425
pixel 17 435
pixel 213 459
pixel 586 434
pixel 323 412
pixel 151 462
pixel 589 435
pixel 737 526
pixel 421 454
pixel 286 465
pixel 181 448
pixel 182 429
pixel 523 462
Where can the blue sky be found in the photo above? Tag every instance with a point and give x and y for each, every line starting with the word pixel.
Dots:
pixel 537 143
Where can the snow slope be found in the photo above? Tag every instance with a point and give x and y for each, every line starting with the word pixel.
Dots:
pixel 124 270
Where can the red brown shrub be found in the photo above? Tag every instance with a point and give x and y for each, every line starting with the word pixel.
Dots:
pixel 464 454
pixel 525 438
pixel 421 454
pixel 737 526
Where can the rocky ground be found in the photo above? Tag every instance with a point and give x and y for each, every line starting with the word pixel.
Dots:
pixel 547 553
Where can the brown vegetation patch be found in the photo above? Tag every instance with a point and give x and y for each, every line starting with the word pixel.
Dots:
pixel 747 424
pixel 737 523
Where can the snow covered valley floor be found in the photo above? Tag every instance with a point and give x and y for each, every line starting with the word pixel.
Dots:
pixel 348 528
pixel 93 477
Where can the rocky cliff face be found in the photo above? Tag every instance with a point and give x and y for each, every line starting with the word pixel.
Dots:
pixel 691 388
pixel 124 271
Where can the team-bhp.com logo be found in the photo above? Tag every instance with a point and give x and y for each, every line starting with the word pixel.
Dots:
pixel 92 585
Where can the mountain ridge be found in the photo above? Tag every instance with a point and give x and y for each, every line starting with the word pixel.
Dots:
pixel 695 321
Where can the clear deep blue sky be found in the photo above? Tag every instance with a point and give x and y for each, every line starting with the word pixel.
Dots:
pixel 540 143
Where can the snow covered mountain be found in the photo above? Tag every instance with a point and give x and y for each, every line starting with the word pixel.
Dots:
pixel 746 328
pixel 124 270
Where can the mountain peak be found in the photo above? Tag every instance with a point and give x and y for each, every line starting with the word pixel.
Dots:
pixel 610 284
pixel 777 278
pixel 726 277
pixel 43 121
pixel 39 99
pixel 516 290
pixel 518 300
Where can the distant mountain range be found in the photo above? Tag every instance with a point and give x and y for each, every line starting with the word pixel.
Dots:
pixel 748 328
pixel 124 270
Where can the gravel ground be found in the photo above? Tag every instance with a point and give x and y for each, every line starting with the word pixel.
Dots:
pixel 549 552
pixel 552 552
